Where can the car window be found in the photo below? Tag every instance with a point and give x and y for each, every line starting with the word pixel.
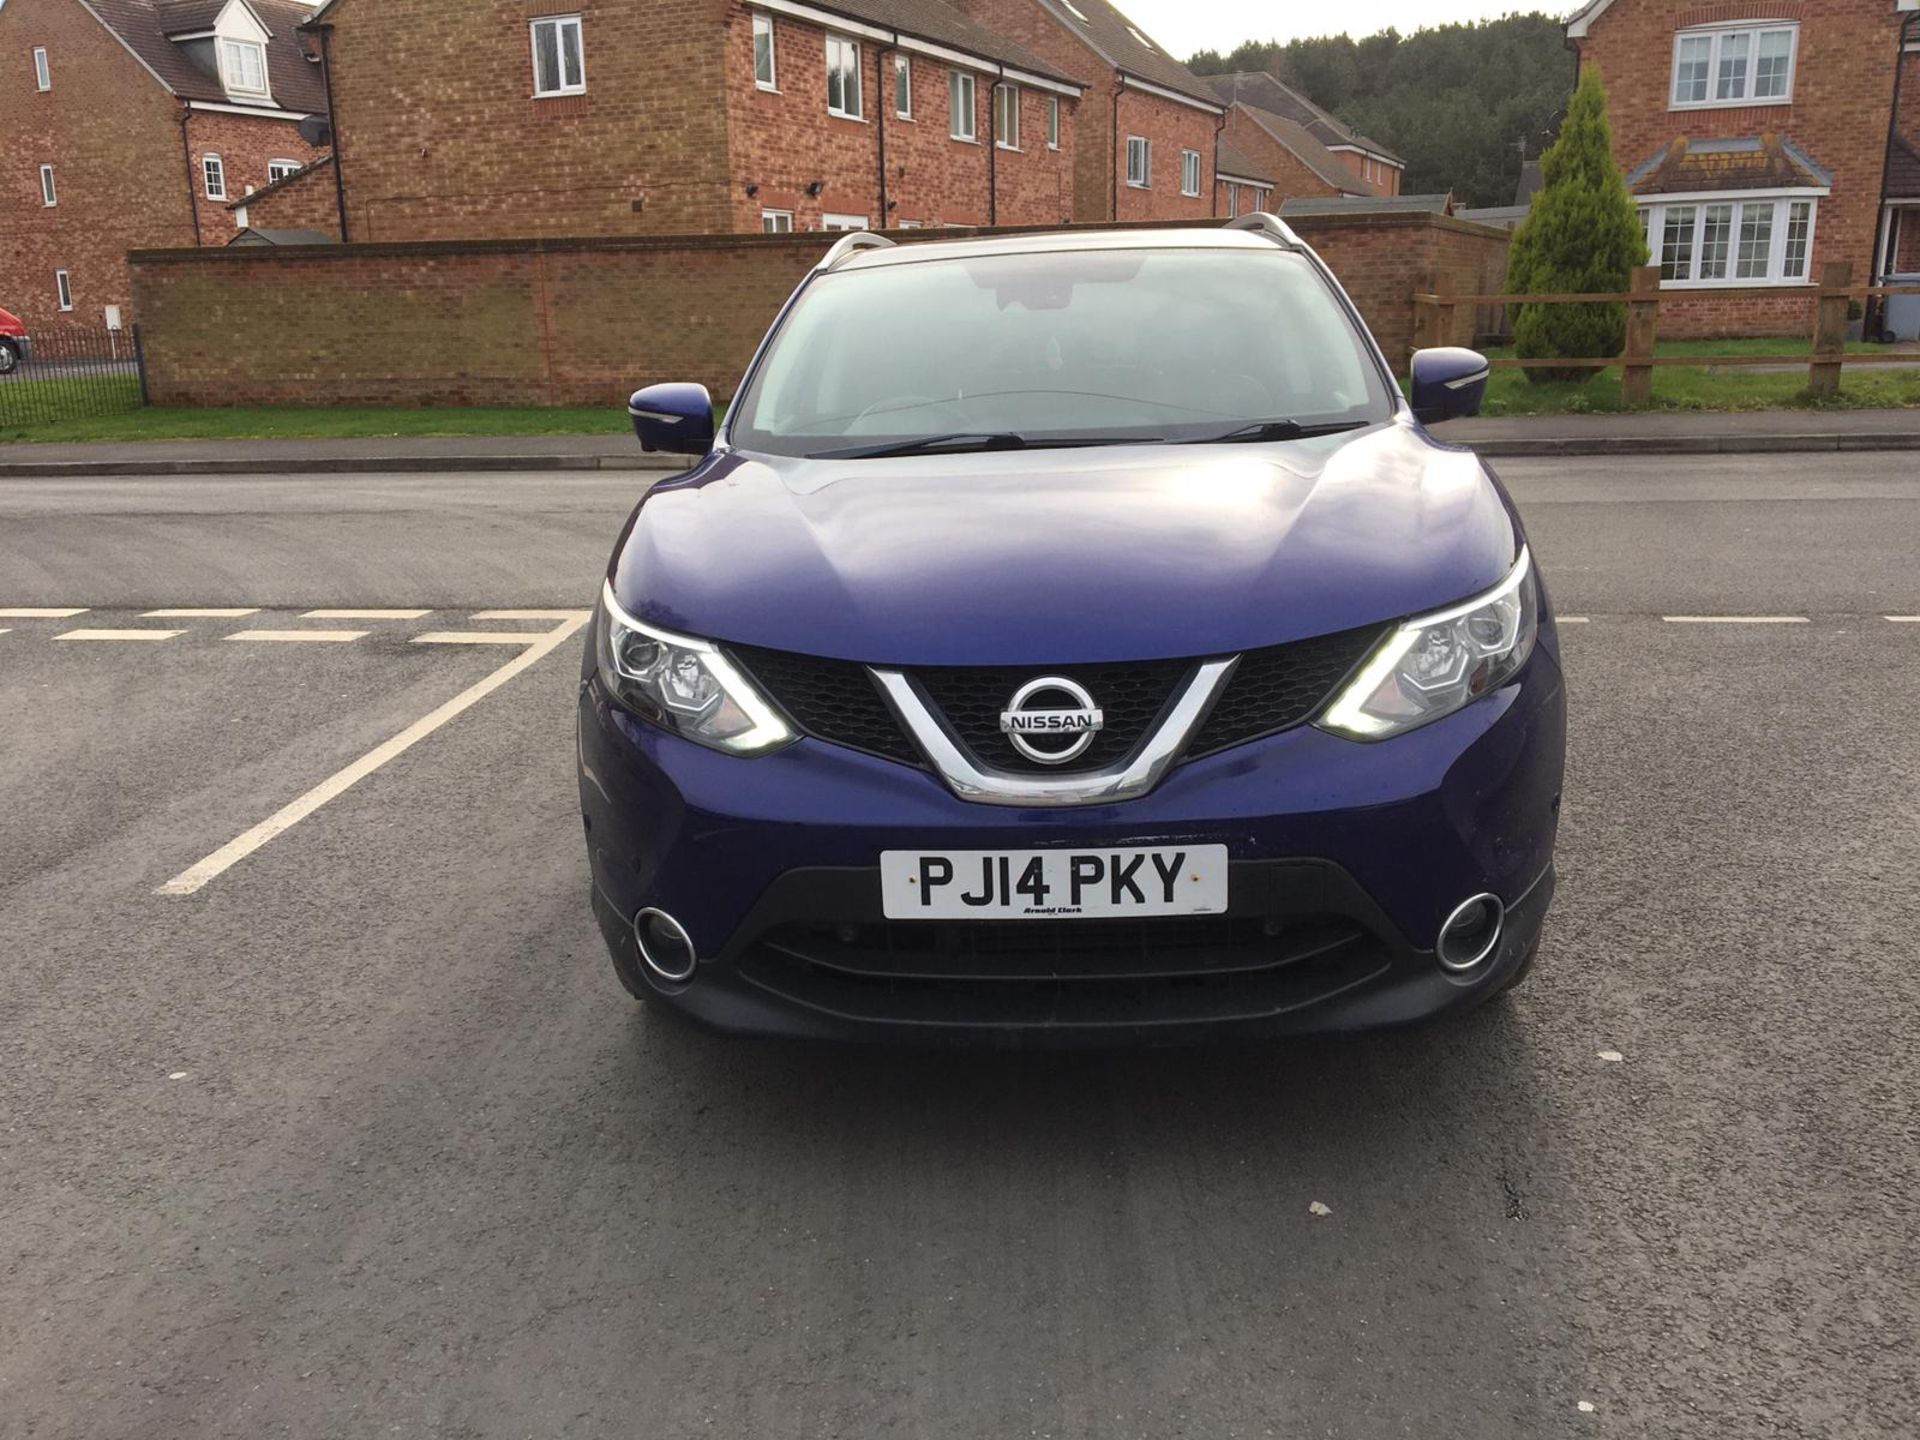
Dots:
pixel 1135 344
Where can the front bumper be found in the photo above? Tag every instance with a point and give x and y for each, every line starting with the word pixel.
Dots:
pixel 1345 860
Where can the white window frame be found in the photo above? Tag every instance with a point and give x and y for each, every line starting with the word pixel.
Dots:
pixel 232 72
pixel 1190 166
pixel 1233 198
pixel 830 221
pixel 1006 115
pixel 278 170
pixel 776 222
pixel 958 82
pixel 1143 147
pixel 1053 122
pixel 560 24
pixel 902 81
pixel 1653 216
pixel 42 72
pixel 1716 37
pixel 63 289
pixel 213 169
pixel 845 44
pixel 49 192
pixel 763 25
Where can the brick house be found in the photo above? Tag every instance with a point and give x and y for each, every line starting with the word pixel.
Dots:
pixel 528 118
pixel 1242 186
pixel 1148 125
pixel 1329 156
pixel 1755 135
pixel 126 124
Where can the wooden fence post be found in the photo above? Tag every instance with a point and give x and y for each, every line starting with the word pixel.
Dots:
pixel 1829 331
pixel 1643 325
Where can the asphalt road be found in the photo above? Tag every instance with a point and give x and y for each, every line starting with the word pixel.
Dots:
pixel 360 1137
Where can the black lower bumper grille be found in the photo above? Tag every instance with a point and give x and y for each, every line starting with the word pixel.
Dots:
pixel 1065 972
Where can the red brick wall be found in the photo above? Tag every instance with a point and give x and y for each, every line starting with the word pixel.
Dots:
pixel 439 136
pixel 585 321
pixel 1842 95
pixel 782 142
pixel 112 135
pixel 1292 180
pixel 244 144
pixel 306 202
pixel 1172 127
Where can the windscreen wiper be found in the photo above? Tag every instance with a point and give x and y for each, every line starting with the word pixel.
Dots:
pixel 959 443
pixel 1265 430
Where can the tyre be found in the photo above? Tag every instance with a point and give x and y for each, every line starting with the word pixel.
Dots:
pixel 9 357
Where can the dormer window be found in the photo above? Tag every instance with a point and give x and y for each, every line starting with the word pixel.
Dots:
pixel 243 67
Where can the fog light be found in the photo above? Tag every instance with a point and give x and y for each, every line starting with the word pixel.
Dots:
pixel 665 947
pixel 1470 934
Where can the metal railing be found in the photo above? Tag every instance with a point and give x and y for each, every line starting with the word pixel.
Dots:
pixel 70 372
pixel 1433 321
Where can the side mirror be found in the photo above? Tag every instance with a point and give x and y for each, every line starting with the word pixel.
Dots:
pixel 676 418
pixel 1448 382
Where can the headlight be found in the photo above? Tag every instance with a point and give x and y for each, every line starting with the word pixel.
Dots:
pixel 682 684
pixel 1434 664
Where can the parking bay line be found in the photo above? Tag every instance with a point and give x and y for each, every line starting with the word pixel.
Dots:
pixel 118 634
pixel 1736 619
pixel 363 614
pixel 30 612
pixel 287 816
pixel 478 637
pixel 532 614
pixel 1904 619
pixel 296 637
pixel 203 614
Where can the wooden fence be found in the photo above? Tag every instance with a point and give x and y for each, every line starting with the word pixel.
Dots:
pixel 1433 320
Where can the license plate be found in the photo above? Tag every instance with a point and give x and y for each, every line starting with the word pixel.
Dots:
pixel 1052 884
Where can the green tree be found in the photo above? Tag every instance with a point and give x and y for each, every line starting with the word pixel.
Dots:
pixel 1583 235
pixel 1463 105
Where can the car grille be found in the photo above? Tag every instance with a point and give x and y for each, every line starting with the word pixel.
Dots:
pixel 1270 690
pixel 1279 687
pixel 1065 972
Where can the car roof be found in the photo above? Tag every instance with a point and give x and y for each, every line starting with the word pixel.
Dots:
pixel 1053 242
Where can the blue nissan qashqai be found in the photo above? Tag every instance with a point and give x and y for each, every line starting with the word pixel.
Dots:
pixel 1071 637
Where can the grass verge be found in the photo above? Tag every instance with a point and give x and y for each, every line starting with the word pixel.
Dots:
pixel 1509 392
pixel 304 424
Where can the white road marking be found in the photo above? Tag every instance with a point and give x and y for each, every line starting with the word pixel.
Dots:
pixel 118 634
pixel 295 637
pixel 532 614
pixel 198 614
pixel 363 614
pixel 6 632
pixel 479 637
pixel 29 612
pixel 1896 619
pixel 1735 619
pixel 1572 619
pixel 234 851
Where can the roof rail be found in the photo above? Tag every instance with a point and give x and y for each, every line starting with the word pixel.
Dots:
pixel 847 244
pixel 1272 226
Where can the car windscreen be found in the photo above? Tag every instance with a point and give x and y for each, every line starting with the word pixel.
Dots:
pixel 1058 347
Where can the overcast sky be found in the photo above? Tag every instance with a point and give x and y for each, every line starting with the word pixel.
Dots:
pixel 1184 26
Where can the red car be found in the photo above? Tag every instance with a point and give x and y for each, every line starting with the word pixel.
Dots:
pixel 14 344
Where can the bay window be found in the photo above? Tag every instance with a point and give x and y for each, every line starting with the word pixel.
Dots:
pixel 1737 240
pixel 1747 65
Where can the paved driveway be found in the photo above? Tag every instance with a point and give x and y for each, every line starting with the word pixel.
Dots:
pixel 341 1127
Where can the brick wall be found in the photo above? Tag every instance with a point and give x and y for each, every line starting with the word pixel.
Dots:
pixel 308 201
pixel 1292 179
pixel 583 322
pixel 244 144
pixel 1842 95
pixel 1171 127
pixel 782 141
pixel 121 164
pixel 439 134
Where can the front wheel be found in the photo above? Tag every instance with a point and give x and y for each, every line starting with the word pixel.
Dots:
pixel 9 357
